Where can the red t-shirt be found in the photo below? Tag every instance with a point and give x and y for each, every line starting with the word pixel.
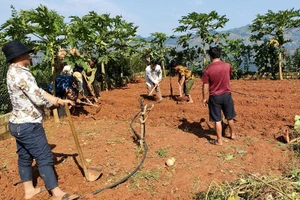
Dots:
pixel 217 75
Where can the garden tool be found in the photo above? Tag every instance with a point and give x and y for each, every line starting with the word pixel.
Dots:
pixel 150 93
pixel 90 173
pixel 91 104
pixel 88 104
pixel 171 88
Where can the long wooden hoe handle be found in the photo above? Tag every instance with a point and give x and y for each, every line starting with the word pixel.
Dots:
pixel 152 90
pixel 76 141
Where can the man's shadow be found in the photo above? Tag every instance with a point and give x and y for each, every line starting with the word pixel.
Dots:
pixel 197 128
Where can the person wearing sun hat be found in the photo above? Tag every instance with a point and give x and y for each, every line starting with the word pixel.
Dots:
pixel 25 123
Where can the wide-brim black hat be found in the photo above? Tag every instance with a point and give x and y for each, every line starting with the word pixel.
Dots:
pixel 14 49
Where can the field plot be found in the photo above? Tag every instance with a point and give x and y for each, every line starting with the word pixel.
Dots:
pixel 265 109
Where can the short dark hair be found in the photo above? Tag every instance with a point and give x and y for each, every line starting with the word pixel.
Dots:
pixel 153 62
pixel 94 59
pixel 215 52
pixel 173 63
pixel 78 68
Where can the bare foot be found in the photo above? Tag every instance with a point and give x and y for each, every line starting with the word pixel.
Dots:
pixel 35 191
pixel 233 136
pixel 216 142
pixel 160 100
pixel 190 102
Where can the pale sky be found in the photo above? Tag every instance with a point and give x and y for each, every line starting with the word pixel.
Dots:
pixel 156 15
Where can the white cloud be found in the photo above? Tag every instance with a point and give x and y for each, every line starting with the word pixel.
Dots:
pixel 77 7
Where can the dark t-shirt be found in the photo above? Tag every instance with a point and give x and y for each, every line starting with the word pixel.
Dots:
pixel 217 75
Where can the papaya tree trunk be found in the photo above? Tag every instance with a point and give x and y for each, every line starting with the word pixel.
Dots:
pixel 280 66
pixel 204 55
pixel 55 112
pixel 148 60
pixel 104 82
pixel 121 75
pixel 163 66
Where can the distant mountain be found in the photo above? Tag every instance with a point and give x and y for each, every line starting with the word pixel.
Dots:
pixel 244 33
pixel 239 33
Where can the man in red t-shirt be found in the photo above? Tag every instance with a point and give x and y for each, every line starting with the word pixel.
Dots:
pixel 216 93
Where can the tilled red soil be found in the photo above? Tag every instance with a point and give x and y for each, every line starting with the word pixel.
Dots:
pixel 173 129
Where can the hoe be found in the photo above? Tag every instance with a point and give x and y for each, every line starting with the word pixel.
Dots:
pixel 90 173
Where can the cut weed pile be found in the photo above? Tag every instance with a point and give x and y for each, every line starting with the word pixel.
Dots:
pixel 282 187
pixel 253 187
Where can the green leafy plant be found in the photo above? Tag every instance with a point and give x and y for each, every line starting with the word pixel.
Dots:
pixel 271 29
pixel 4 96
pixel 201 25
pixel 137 180
pixel 162 152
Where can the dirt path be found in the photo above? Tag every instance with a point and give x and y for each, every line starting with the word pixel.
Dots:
pixel 264 109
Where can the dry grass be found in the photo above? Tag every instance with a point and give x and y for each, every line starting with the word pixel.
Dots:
pixel 254 187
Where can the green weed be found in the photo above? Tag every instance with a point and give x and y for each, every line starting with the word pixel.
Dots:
pixel 162 152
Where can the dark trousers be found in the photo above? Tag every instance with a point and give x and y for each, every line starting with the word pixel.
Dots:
pixel 32 144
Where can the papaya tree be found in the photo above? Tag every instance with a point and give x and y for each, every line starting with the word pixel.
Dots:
pixel 296 59
pixel 266 58
pixel 102 36
pixel 238 54
pixel 49 29
pixel 136 55
pixel 123 43
pixel 15 28
pixel 273 26
pixel 46 27
pixel 91 35
pixel 203 27
pixel 158 50
pixel 293 61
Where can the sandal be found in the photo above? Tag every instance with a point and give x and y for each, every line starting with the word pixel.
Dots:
pixel 68 196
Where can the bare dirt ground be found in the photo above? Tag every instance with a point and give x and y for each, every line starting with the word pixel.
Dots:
pixel 264 110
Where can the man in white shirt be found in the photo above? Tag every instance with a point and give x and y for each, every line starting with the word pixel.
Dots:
pixel 153 77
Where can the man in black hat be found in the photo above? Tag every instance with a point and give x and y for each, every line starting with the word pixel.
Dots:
pixel 25 123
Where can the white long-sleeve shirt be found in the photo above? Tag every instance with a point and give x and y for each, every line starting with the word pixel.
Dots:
pixel 153 76
pixel 26 97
